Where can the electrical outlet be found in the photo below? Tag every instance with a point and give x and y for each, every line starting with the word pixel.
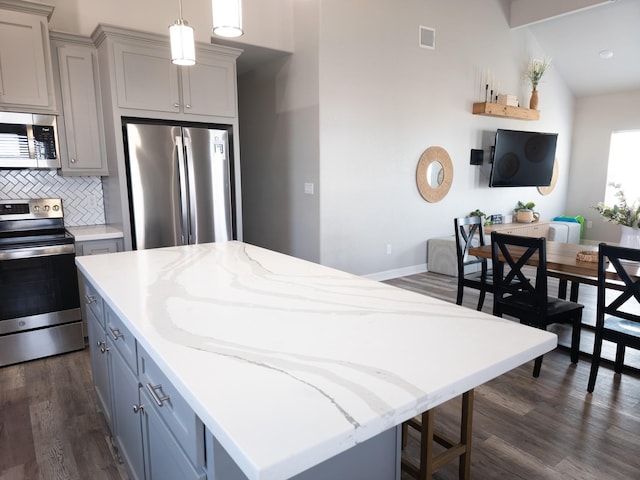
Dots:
pixel 388 249
pixel 589 224
pixel 308 188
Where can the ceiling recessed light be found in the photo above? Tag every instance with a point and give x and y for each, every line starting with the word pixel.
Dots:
pixel 606 54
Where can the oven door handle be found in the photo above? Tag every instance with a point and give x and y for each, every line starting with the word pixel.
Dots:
pixel 41 251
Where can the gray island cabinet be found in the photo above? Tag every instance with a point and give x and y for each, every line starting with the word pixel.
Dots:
pixel 227 361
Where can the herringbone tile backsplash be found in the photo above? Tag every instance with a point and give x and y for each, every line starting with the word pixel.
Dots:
pixel 82 199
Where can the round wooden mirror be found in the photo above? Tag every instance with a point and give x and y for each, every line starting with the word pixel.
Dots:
pixel 434 174
pixel 554 180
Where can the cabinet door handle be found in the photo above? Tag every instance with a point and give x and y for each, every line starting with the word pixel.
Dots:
pixel 90 298
pixel 176 104
pixel 187 106
pixel 115 333
pixel 138 408
pixel 159 399
pixel 73 160
pixel 103 347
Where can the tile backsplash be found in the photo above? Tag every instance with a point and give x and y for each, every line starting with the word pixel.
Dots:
pixel 82 198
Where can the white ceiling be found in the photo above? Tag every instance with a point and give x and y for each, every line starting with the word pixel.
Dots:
pixel 574 37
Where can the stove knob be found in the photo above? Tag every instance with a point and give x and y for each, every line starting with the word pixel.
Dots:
pixel 46 208
pixel 36 208
pixel 56 208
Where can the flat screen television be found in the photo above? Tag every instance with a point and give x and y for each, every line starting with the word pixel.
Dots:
pixel 523 159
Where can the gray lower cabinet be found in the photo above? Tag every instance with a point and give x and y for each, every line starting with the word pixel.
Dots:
pixel 99 353
pixel 97 247
pixel 165 457
pixel 156 433
pixel 375 459
pixel 127 432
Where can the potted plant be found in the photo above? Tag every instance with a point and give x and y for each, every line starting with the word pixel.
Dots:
pixel 625 215
pixel 478 213
pixel 524 212
pixel 534 73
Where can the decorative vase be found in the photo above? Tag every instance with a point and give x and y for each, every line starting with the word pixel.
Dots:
pixel 533 102
pixel 630 237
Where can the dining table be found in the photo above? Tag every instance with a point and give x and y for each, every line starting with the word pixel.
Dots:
pixel 563 263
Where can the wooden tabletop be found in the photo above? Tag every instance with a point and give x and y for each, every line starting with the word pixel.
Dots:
pixel 561 259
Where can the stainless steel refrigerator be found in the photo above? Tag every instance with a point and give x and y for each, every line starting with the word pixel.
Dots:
pixel 180 184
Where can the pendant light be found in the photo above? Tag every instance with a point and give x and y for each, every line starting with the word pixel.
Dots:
pixel 183 51
pixel 227 17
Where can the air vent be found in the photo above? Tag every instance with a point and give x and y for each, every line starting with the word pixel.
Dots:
pixel 427 37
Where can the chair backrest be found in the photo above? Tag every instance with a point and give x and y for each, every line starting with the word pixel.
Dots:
pixel 514 252
pixel 626 305
pixel 469 232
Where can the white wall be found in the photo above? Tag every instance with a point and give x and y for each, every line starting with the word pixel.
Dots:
pixel 384 100
pixel 381 101
pixel 279 125
pixel 595 119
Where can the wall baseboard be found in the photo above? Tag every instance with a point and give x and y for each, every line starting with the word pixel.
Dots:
pixel 398 272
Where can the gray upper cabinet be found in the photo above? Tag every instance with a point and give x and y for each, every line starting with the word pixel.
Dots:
pixel 209 86
pixel 145 78
pixel 83 149
pixel 147 81
pixel 26 80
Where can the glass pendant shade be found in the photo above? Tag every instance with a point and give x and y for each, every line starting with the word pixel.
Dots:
pixel 183 50
pixel 227 17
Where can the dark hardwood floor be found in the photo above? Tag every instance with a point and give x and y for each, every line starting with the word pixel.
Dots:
pixel 523 428
pixel 50 428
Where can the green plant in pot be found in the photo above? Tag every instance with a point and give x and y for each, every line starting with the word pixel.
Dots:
pixel 479 213
pixel 524 212
pixel 625 214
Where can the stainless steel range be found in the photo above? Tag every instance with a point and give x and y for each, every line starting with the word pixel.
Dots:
pixel 39 300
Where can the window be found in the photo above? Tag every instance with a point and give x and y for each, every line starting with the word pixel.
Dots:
pixel 624 166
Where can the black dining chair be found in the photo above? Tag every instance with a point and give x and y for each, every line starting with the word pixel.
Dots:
pixel 470 232
pixel 516 296
pixel 617 319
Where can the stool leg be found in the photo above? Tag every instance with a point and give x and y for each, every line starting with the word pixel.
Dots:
pixel 466 435
pixel 405 435
pixel 426 442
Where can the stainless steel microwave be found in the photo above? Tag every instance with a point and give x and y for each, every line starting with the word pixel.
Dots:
pixel 28 141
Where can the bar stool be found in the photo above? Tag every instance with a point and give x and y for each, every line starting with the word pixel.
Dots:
pixel 431 462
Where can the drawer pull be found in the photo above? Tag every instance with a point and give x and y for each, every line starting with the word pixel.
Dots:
pixel 103 347
pixel 90 298
pixel 159 399
pixel 115 333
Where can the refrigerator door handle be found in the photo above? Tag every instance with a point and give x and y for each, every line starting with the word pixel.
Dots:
pixel 184 202
pixel 193 224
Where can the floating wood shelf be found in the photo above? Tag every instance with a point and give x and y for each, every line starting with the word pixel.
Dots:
pixel 497 110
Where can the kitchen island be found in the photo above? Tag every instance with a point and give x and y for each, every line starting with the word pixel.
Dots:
pixel 287 364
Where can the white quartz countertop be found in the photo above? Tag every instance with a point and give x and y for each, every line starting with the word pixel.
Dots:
pixel 87 233
pixel 289 363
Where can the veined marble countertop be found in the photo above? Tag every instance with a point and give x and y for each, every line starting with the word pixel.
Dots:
pixel 289 363
pixel 95 232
